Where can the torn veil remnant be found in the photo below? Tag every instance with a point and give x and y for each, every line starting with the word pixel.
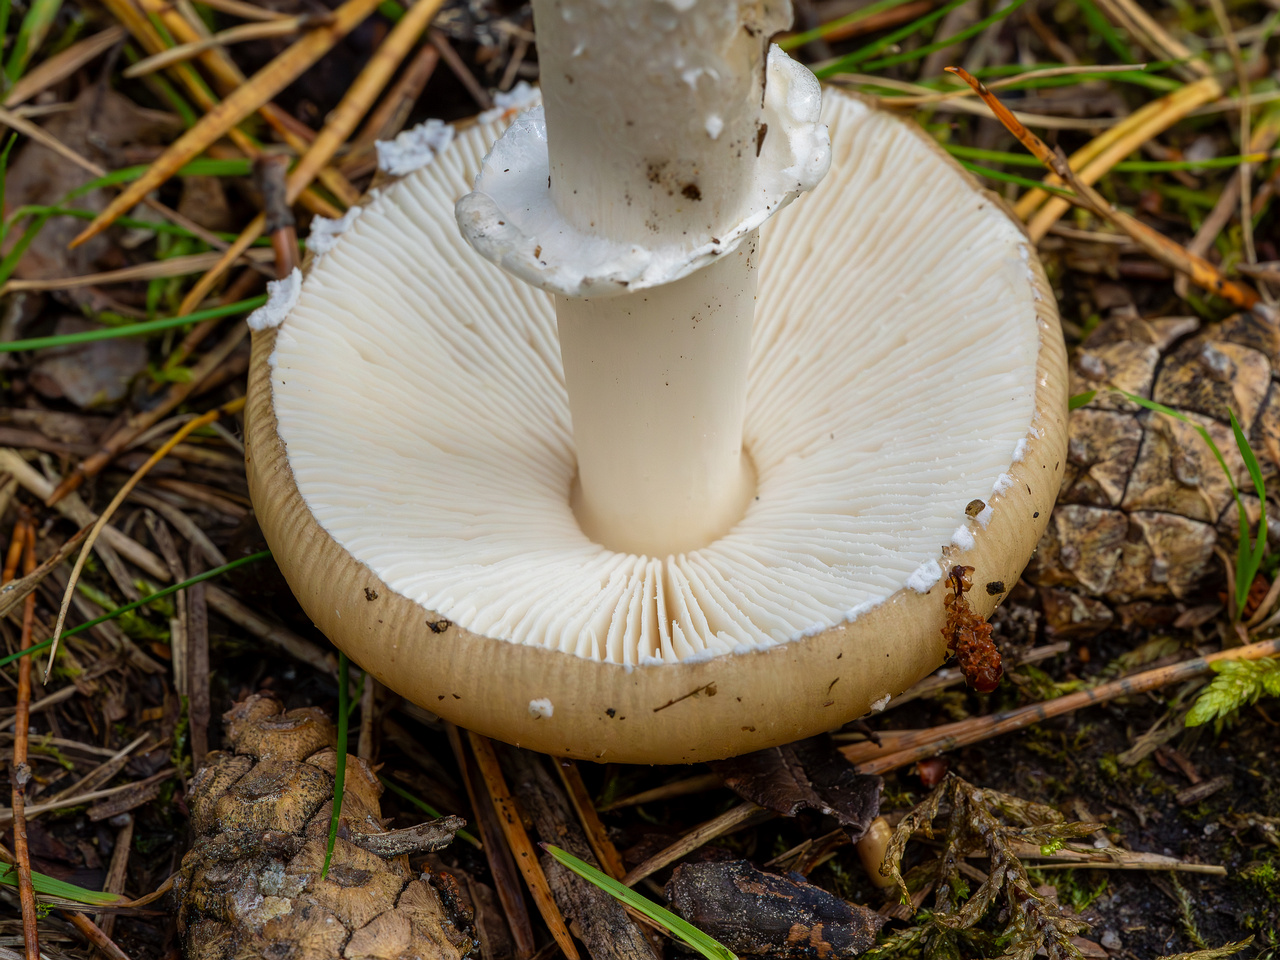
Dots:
pixel 720 522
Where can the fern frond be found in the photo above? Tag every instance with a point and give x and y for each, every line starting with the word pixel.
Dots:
pixel 1238 683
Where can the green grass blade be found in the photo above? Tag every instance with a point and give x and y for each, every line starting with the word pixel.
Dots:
pixel 134 329
pixel 340 763
pixel 158 595
pixel 34 28
pixel 1003 177
pixel 707 946
pixel 426 808
pixel 10 261
pixel 970 31
pixel 849 61
pixel 1081 400
pixel 4 164
pixel 52 887
pixel 6 7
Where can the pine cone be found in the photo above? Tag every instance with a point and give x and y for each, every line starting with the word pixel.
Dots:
pixel 250 887
pixel 1144 502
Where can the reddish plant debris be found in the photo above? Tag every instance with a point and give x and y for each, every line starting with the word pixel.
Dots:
pixel 969 636
pixel 763 914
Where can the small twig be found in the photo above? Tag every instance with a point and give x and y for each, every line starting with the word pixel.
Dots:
pixel 179 266
pixel 62 65
pixel 930 743
pixel 1201 271
pixel 262 30
pixel 597 836
pixel 368 712
pixel 233 406
pixel 94 935
pixel 391 114
pixel 1246 168
pixel 939 96
pixel 737 817
pixel 245 11
pixel 23 547
pixel 501 863
pixel 1149 34
pixel 198 708
pixel 1103 152
pixel 676 788
pixel 454 63
pixel 117 871
pixel 521 845
pixel 16 591
pixel 270 171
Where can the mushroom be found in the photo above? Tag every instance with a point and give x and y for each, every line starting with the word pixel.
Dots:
pixel 721 523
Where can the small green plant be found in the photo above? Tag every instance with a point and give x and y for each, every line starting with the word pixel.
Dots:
pixel 709 947
pixel 1238 683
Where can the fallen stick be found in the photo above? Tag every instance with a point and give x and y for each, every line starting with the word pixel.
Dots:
pixel 930 743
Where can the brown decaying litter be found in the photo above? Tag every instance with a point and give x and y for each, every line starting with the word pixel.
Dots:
pixel 233 406
pixel 342 121
pixel 45 139
pixel 264 85
pixel 1203 273
pixel 229 77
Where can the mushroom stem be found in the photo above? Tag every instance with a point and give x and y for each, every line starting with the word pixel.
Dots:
pixel 657 384
pixel 657 378
pixel 669 132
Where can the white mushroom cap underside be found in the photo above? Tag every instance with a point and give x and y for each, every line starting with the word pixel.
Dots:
pixel 419 394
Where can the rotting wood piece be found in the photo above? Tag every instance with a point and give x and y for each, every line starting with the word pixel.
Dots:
pixel 251 887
